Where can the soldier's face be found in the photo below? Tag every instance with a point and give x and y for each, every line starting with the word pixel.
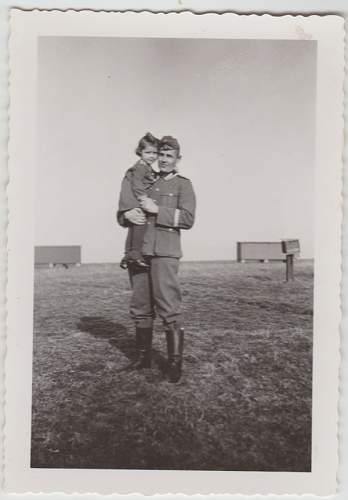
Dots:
pixel 167 160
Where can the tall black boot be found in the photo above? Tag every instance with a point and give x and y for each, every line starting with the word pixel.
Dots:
pixel 143 339
pixel 175 347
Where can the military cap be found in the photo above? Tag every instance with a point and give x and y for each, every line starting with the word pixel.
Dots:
pixel 169 142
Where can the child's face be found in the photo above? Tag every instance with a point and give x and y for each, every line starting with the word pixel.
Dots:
pixel 149 154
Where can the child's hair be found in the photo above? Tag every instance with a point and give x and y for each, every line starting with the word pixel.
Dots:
pixel 148 139
pixel 169 142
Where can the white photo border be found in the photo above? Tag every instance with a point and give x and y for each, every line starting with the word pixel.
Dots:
pixel 26 27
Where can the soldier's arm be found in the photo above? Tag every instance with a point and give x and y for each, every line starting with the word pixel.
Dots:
pixel 182 217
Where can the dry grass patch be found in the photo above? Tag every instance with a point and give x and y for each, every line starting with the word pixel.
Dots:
pixel 244 402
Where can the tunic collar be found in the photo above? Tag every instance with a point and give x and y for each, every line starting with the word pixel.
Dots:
pixel 167 177
pixel 171 175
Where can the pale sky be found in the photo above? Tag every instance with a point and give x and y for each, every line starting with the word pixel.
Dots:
pixel 242 110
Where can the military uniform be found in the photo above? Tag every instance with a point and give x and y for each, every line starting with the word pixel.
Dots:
pixel 157 289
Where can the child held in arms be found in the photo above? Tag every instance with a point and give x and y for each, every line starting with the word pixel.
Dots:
pixel 141 177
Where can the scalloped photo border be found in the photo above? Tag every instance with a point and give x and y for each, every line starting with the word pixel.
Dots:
pixel 25 28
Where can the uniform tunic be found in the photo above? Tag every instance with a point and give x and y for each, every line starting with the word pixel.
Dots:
pixel 157 289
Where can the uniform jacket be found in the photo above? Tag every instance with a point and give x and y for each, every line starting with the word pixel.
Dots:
pixel 177 203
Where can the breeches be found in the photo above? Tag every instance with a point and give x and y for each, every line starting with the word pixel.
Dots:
pixel 156 290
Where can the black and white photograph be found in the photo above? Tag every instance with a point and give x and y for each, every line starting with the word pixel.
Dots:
pixel 199 362
pixel 173 253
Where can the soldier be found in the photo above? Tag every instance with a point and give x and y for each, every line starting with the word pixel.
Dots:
pixel 170 207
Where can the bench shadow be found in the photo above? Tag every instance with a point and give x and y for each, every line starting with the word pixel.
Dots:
pixel 118 336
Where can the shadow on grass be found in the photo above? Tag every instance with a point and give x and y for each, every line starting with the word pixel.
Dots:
pixel 117 335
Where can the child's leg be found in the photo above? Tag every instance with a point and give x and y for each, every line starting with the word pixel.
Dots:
pixel 136 242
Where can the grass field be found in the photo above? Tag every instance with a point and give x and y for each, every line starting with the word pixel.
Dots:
pixel 244 402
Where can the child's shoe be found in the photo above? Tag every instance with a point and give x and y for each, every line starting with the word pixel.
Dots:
pixel 138 263
pixel 124 263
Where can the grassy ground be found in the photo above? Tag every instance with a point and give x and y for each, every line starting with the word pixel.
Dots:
pixel 244 402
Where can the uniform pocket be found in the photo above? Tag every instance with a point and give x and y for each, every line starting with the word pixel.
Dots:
pixel 167 242
pixel 169 200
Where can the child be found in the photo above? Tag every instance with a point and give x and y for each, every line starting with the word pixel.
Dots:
pixel 141 177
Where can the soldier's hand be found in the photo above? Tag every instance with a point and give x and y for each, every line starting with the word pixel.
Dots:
pixel 149 206
pixel 135 216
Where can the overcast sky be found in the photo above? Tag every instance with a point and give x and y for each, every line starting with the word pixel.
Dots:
pixel 243 111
